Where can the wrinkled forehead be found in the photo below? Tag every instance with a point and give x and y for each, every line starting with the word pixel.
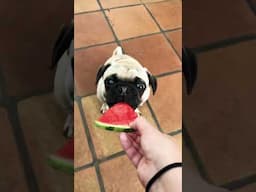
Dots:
pixel 125 67
pixel 126 72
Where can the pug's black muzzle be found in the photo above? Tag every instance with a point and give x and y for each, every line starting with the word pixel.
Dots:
pixel 123 92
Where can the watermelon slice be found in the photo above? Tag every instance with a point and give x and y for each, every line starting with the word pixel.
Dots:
pixel 117 118
pixel 63 159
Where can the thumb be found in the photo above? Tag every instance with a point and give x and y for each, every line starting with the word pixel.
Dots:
pixel 142 126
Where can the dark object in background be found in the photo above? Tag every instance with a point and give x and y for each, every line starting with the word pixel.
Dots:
pixel 63 60
pixel 189 69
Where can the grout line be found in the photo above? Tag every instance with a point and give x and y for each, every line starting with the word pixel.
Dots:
pixel 122 6
pixel 194 153
pixel 117 7
pixel 83 167
pixel 240 183
pixel 99 176
pixel 24 157
pixel 224 43
pixel 104 159
pixel 77 97
pixel 108 21
pixel 174 133
pixel 141 36
pixel 86 95
pixel 162 31
pixel 91 145
pixel 175 50
pixel 87 12
pixel 154 116
pixel 107 9
pixel 22 147
pixel 251 6
pixel 123 40
pixel 94 45
pixel 172 30
pixel 115 155
pixel 154 2
pixel 86 129
pixel 168 73
pixel 110 42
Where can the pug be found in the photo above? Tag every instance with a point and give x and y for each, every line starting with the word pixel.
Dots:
pixel 123 79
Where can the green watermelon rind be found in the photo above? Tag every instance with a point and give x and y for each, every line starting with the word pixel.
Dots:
pixel 61 164
pixel 111 127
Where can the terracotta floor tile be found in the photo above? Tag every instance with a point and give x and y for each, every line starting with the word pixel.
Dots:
pixel 114 178
pixel 87 63
pixel 11 164
pixel 231 116
pixel 168 14
pixel 42 123
pixel 176 39
pixel 90 29
pixel 82 151
pixel 131 22
pixel 118 3
pixel 88 5
pixel 248 188
pixel 147 115
pixel 86 180
pixel 236 22
pixel 154 52
pixel 167 102
pixel 178 140
pixel 105 142
pixel 150 1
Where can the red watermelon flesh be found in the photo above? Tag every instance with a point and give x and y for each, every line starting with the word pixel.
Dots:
pixel 67 151
pixel 119 115
pixel 63 159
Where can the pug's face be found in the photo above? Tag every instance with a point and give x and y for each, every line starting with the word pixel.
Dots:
pixel 123 79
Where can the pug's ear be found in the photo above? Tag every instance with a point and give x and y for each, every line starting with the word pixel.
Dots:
pixel 152 82
pixel 101 71
pixel 118 51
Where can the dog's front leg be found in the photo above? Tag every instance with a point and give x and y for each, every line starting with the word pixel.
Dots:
pixel 104 108
pixel 138 112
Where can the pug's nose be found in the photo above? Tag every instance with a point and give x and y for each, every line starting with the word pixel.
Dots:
pixel 123 90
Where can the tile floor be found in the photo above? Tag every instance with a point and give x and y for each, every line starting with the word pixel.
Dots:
pixel 147 34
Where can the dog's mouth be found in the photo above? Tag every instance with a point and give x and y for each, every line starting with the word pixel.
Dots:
pixel 132 100
pixel 126 92
pixel 123 99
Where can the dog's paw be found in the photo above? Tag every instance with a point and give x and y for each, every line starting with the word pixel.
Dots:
pixel 68 130
pixel 104 108
pixel 138 112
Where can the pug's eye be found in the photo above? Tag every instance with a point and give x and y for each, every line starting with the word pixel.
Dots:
pixel 140 86
pixel 110 81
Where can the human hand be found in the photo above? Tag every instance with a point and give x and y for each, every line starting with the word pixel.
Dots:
pixel 148 149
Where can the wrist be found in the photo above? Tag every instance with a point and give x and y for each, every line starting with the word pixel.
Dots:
pixel 157 187
pixel 166 180
pixel 166 161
